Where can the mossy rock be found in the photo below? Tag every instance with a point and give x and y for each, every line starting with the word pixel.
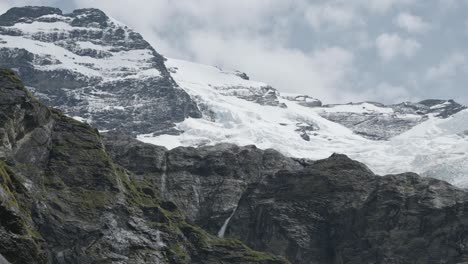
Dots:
pixel 20 241
pixel 11 75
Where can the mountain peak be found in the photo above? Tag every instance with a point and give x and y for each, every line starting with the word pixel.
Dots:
pixel 89 12
pixel 93 68
pixel 18 14
pixel 83 17
pixel 443 108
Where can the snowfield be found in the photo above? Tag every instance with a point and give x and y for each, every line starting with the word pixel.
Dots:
pixel 437 147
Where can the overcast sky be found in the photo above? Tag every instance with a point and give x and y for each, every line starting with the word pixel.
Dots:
pixel 335 50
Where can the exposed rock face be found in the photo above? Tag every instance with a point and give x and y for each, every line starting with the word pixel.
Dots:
pixel 266 95
pixel 328 211
pixel 394 120
pixel 336 211
pixel 442 108
pixel 206 183
pixel 304 100
pixel 63 200
pixel 243 75
pixel 92 67
pixel 18 14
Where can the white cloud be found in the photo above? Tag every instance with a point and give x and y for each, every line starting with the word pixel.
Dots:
pixel 364 41
pixel 327 16
pixel 166 23
pixel 3 7
pixel 449 67
pixel 389 93
pixel 319 73
pixel 446 5
pixel 390 46
pixel 411 23
pixel 382 6
pixel 212 13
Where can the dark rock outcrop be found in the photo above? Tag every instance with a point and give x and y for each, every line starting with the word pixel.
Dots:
pixel 442 108
pixel 206 183
pixel 64 200
pixel 328 211
pixel 18 14
pixel 336 211
pixel 303 100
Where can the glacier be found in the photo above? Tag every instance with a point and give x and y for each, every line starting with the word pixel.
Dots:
pixel 436 147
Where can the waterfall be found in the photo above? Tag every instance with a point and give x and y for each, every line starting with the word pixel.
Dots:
pixel 164 178
pixel 225 225
pixel 163 184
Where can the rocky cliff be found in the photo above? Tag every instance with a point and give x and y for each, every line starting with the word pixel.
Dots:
pixel 327 211
pixel 68 195
pixel 64 200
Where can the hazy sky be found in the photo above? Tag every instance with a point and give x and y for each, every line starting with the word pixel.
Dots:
pixel 335 50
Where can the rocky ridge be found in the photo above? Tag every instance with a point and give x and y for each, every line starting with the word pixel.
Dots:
pixel 64 200
pixel 388 121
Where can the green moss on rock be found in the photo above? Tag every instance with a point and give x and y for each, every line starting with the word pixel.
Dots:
pixel 11 75
pixel 179 254
pixel 20 241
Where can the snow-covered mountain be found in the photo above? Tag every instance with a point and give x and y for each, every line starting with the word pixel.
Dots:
pixel 92 67
pixel 100 71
